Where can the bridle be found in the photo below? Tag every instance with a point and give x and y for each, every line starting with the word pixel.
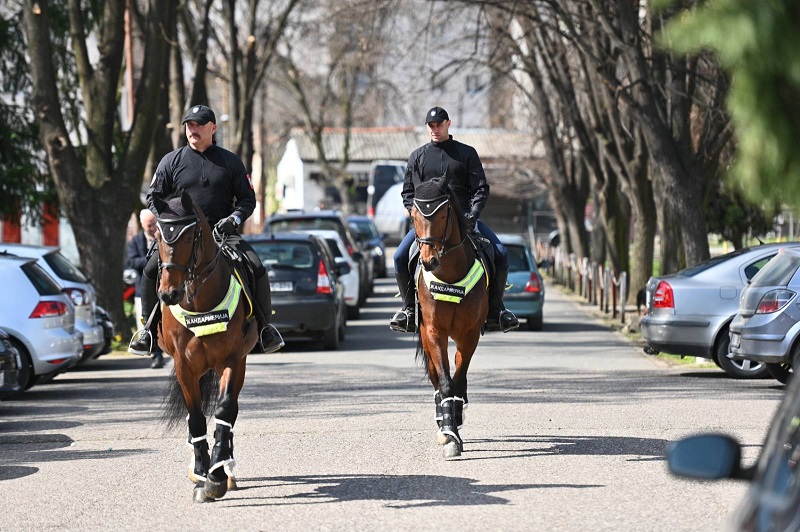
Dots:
pixel 428 208
pixel 167 228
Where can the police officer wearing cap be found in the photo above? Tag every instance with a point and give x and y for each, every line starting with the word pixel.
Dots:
pixel 218 183
pixel 463 167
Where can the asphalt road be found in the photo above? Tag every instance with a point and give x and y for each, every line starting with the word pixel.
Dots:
pixel 566 430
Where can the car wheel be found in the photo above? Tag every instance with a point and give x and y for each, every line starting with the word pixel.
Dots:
pixel 738 369
pixel 783 371
pixel 25 375
pixel 330 338
pixel 536 322
pixel 341 331
pixel 353 312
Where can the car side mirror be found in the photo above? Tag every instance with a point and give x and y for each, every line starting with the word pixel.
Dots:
pixel 707 457
pixel 357 256
pixel 342 268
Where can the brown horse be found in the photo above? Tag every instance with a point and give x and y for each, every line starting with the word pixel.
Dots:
pixel 210 356
pixel 453 298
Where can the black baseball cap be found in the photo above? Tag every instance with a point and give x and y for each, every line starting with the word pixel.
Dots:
pixel 200 114
pixel 436 114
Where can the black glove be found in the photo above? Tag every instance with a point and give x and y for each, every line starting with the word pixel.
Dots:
pixel 227 226
pixel 472 219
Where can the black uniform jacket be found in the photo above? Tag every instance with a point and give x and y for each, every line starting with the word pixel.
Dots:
pixel 464 170
pixel 137 258
pixel 216 180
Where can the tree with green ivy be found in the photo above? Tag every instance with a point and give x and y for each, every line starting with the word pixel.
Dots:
pixel 25 183
pixel 758 43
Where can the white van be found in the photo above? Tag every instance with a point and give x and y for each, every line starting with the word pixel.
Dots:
pixel 391 217
pixel 383 174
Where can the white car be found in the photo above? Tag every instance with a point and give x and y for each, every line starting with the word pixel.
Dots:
pixel 391 216
pixel 39 320
pixel 75 285
pixel 351 280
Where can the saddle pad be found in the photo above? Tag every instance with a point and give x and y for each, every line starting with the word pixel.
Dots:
pixel 213 321
pixel 455 292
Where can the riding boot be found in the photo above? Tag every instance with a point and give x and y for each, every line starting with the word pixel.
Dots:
pixel 146 339
pixel 269 336
pixel 499 318
pixel 404 319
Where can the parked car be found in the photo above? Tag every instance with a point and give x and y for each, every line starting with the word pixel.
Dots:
pixel 525 297
pixel 383 174
pixel 75 284
pixel 372 241
pixel 391 216
pixel 307 291
pixel 772 501
pixel 333 220
pixel 39 320
pixel 766 328
pixel 689 312
pixel 350 280
pixel 10 362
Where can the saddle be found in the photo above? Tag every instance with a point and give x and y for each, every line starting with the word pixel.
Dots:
pixel 243 271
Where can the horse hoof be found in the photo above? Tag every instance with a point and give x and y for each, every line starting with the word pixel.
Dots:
pixel 199 494
pixel 452 450
pixel 441 438
pixel 232 485
pixel 215 490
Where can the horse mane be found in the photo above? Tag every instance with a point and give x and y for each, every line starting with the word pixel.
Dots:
pixel 438 188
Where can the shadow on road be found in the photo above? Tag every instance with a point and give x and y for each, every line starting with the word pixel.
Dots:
pixel 398 491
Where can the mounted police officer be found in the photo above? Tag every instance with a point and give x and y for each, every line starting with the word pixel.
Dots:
pixel 218 183
pixel 463 167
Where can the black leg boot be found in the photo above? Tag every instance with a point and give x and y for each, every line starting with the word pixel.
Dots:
pixel 404 319
pixel 145 340
pixel 221 461
pixel 499 318
pixel 271 340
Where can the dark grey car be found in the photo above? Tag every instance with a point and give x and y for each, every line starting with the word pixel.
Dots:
pixel 766 328
pixel 773 500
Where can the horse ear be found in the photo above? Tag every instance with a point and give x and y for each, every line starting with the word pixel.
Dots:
pixel 186 202
pixel 159 203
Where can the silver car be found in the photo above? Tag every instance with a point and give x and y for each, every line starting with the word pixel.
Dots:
pixel 688 313
pixel 39 320
pixel 75 284
pixel 766 328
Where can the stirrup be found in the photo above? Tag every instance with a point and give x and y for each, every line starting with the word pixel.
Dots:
pixel 513 322
pixel 406 315
pixel 141 343
pixel 270 331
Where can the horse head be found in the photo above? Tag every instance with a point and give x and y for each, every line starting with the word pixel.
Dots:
pixel 437 221
pixel 178 235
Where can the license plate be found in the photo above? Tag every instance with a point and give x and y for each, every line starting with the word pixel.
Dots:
pixel 736 339
pixel 286 286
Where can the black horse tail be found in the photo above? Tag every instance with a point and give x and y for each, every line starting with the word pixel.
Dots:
pixel 421 355
pixel 174 407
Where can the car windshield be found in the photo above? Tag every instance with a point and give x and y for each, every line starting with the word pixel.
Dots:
pixel 276 255
pixel 43 283
pixel 64 269
pixel 365 229
pixel 778 272
pixel 517 258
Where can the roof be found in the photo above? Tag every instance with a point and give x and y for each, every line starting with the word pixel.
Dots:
pixel 27 250
pixel 369 144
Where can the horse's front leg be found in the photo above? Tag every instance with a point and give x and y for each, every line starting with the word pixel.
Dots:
pixel 220 472
pixel 435 345
pixel 198 439
pixel 465 348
